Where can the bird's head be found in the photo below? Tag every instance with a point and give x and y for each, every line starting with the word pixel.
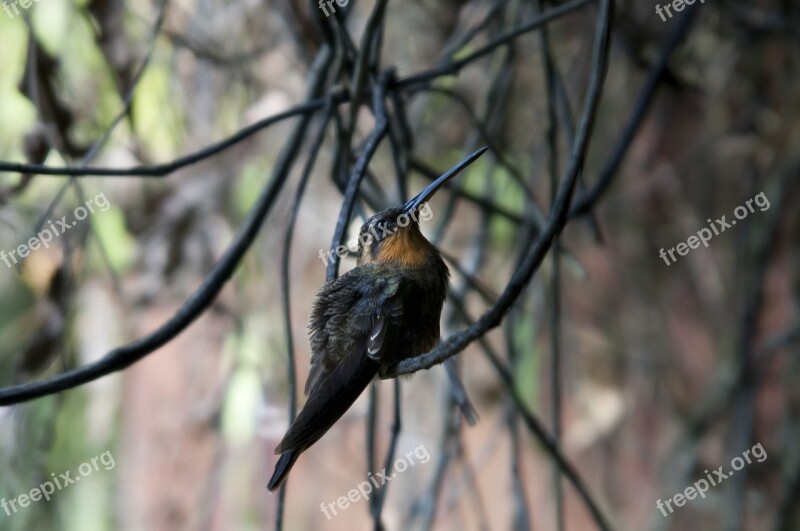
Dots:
pixel 392 236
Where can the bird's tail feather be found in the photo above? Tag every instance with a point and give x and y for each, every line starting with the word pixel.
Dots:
pixel 285 464
pixel 326 404
pixel 328 401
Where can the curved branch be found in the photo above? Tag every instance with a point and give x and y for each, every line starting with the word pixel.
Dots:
pixel 585 201
pixel 160 170
pixel 360 169
pixel 201 299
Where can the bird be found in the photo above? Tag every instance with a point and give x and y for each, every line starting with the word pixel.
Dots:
pixel 384 310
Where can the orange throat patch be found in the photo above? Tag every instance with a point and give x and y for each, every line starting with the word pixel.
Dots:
pixel 407 247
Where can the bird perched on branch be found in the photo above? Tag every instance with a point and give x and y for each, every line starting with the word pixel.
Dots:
pixel 385 310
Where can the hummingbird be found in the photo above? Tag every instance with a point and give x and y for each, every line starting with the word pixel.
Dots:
pixel 383 311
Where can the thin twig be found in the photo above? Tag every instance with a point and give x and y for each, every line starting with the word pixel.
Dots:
pixel 291 371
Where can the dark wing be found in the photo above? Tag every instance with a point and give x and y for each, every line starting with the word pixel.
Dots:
pixel 329 399
pixel 354 308
pixel 351 330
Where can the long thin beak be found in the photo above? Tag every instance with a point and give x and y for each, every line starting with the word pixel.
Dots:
pixel 432 188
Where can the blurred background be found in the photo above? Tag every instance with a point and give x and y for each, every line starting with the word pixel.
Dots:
pixel 646 376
